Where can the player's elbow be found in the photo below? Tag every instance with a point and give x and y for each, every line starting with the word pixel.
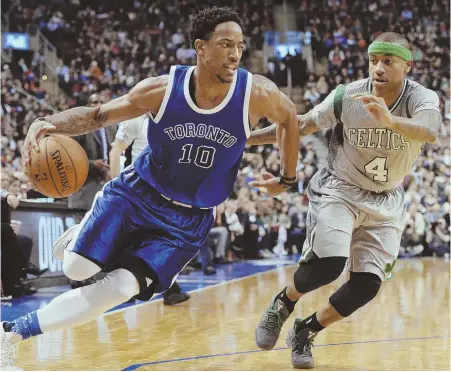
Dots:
pixel 291 119
pixel 430 137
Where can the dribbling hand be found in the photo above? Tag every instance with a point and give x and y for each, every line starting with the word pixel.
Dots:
pixel 35 132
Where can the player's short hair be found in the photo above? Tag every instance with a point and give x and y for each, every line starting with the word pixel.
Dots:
pixel 205 21
pixel 393 37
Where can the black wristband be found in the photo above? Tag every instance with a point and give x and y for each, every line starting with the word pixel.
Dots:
pixel 289 179
pixel 284 183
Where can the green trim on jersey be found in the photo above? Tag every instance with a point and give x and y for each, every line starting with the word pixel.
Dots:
pixel 338 101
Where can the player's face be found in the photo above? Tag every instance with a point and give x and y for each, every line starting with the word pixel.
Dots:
pixel 387 72
pixel 221 54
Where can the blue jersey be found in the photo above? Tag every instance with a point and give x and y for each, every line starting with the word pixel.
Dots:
pixel 194 154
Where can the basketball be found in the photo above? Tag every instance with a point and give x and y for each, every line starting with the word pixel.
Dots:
pixel 60 167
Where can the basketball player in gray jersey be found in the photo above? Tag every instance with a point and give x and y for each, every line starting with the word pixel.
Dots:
pixel 357 207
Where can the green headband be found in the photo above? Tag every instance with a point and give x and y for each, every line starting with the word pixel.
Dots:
pixel 389 48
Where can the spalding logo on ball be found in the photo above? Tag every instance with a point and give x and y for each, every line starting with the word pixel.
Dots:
pixel 60 167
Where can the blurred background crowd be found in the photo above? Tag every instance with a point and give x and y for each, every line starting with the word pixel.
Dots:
pixel 106 47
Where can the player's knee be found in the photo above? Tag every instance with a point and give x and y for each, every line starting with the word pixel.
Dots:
pixel 77 267
pixel 360 289
pixel 123 283
pixel 318 272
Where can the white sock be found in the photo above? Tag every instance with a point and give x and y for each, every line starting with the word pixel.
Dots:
pixel 81 305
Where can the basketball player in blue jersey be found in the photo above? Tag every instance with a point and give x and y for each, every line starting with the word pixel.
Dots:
pixel 200 120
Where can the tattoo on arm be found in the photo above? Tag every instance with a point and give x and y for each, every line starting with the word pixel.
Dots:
pixel 79 120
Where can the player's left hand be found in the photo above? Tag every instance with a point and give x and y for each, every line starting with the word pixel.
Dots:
pixel 269 184
pixel 376 107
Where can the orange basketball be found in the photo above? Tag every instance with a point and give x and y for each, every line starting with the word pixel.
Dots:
pixel 60 167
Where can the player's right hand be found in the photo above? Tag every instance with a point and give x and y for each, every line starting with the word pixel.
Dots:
pixel 35 132
pixel 269 184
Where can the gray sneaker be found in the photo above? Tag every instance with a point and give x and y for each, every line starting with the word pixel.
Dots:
pixel 301 343
pixel 268 330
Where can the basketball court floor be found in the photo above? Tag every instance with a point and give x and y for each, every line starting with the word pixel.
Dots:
pixel 405 328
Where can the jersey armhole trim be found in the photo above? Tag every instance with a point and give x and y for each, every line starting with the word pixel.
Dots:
pixel 247 96
pixel 167 94
pixel 338 102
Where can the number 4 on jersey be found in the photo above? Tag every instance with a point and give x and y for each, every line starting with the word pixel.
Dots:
pixel 377 168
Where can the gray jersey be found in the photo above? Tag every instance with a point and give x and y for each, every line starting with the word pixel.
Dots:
pixel 361 151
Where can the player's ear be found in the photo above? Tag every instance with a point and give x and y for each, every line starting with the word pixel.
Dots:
pixel 408 66
pixel 199 46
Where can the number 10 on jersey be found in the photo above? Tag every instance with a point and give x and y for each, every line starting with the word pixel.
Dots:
pixel 378 169
pixel 204 155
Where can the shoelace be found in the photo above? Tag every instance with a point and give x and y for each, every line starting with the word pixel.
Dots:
pixel 272 319
pixel 303 346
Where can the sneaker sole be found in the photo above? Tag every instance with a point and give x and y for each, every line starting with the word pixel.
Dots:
pixel 303 366
pixel 264 347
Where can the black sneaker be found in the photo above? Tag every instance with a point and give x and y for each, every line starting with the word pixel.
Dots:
pixel 209 270
pixel 34 270
pixel 20 290
pixel 220 261
pixel 176 298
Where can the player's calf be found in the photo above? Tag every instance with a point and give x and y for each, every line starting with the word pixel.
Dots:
pixel 68 310
pixel 360 289
pixel 308 277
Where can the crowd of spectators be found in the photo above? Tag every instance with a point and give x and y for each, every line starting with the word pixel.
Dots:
pixel 107 47
pixel 113 45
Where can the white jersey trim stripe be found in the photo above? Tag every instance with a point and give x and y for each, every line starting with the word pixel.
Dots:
pixel 247 96
pixel 167 94
pixel 398 100
pixel 404 88
pixel 214 110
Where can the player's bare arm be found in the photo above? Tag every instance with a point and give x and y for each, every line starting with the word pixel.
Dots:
pixel 268 101
pixel 424 126
pixel 267 135
pixel 146 96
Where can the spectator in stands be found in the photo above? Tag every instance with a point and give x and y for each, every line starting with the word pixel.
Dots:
pixel 221 236
pixel 414 233
pixel 438 238
pixel 15 256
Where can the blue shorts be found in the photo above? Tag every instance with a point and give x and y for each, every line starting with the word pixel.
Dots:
pixel 132 226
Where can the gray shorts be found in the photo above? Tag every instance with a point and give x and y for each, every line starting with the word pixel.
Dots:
pixel 347 221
